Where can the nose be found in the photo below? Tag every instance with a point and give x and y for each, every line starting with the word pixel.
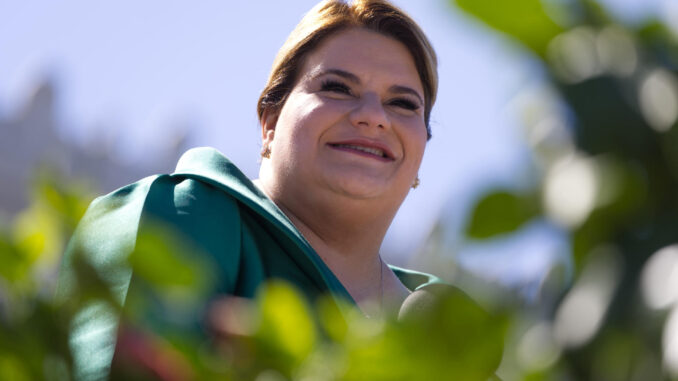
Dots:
pixel 369 112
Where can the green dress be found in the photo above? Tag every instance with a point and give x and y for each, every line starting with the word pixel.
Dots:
pixel 215 207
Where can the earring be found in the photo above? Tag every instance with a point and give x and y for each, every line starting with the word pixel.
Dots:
pixel 266 152
pixel 416 183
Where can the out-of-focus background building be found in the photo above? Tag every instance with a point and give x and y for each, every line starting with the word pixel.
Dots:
pixel 30 139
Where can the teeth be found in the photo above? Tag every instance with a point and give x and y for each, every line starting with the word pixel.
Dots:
pixel 373 151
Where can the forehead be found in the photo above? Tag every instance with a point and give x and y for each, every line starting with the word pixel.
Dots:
pixel 369 55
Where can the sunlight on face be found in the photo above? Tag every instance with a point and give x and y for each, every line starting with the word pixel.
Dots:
pixel 354 122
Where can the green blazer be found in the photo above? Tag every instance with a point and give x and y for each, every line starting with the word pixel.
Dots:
pixel 218 209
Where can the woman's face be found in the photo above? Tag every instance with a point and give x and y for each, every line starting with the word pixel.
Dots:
pixel 354 122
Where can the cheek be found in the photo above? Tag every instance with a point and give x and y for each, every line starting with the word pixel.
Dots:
pixel 414 138
pixel 310 116
pixel 418 155
pixel 297 128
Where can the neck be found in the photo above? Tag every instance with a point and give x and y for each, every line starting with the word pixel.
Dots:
pixel 350 233
pixel 347 243
pixel 347 235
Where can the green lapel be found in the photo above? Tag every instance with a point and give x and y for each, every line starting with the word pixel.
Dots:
pixel 210 166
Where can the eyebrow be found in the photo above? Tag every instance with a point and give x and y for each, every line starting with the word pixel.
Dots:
pixel 354 78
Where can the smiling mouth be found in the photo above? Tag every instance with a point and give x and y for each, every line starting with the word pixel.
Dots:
pixel 362 150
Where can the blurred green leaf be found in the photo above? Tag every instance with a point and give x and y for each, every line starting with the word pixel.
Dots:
pixel 467 341
pixel 170 264
pixel 331 318
pixel 286 323
pixel 12 369
pixel 500 212
pixel 66 198
pixel 14 266
pixel 608 120
pixel 38 234
pixel 525 20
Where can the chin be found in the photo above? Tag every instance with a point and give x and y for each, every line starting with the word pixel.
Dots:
pixel 360 187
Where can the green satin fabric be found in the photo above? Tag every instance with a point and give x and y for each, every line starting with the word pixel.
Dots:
pixel 213 205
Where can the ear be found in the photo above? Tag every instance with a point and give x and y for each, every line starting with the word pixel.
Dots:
pixel 268 123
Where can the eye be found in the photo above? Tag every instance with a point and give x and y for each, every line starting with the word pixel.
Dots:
pixel 335 87
pixel 405 103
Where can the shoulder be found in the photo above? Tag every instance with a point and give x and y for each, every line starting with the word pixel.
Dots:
pixel 204 184
pixel 181 201
pixel 198 209
pixel 181 197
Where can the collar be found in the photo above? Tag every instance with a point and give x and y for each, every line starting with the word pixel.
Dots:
pixel 208 165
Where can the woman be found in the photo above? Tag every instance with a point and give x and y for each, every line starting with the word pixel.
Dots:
pixel 344 121
pixel 343 147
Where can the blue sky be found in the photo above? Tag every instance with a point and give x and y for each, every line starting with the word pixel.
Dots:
pixel 145 67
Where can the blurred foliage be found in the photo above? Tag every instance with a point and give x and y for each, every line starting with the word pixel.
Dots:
pixel 172 328
pixel 606 151
pixel 500 212
pixel 608 170
pixel 533 26
pixel 33 330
